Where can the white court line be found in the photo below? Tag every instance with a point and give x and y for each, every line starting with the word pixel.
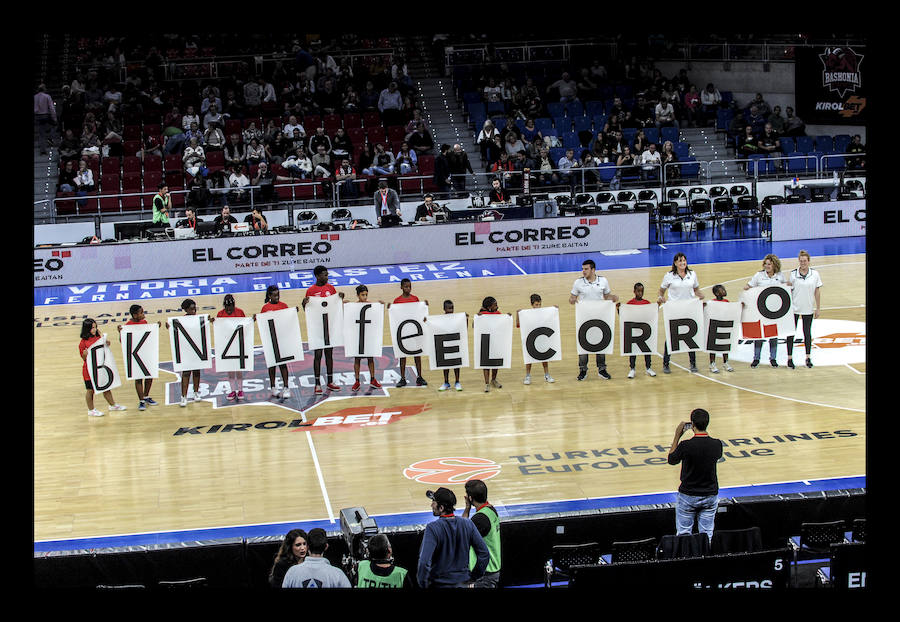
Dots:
pixel 315 457
pixel 517 266
pixel 780 397
pixel 848 366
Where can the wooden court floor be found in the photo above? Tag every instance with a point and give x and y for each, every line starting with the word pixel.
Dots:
pixel 249 464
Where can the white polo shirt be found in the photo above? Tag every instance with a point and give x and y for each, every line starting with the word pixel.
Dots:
pixel 680 288
pixel 804 289
pixel 761 279
pixel 585 290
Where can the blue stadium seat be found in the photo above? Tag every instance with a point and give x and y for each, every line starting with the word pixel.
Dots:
pixel 543 123
pixel 593 108
pixel 797 164
pixel 606 171
pixel 723 118
pixel 570 141
pixel 574 109
pixel 562 124
pixel 805 144
pixel 556 109
pixel 824 143
pixel 690 169
pixel 582 123
pixel 599 122
pixel 842 142
pixel 496 108
pixel 652 134
pixel 668 133
pixel 556 153
pixel 682 150
pixel 787 145
pixel 727 97
pixel 628 134
pixel 834 162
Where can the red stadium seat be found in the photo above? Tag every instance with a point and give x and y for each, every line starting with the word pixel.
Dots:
pixel 396 133
pixel 67 207
pixel 311 122
pixel 284 192
pixel 173 162
pixel 131 182
pixel 371 119
pixel 109 183
pixel 357 136
pixel 132 203
pixel 152 179
pixel 131 147
pixel 131 132
pixel 109 204
pixel 352 119
pixel 131 164
pixel 426 164
pixel 152 129
pixel 376 135
pixel 152 163
pixel 331 122
pixel 110 164
pixel 232 126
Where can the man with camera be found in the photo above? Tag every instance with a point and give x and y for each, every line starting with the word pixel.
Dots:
pixel 444 555
pixel 379 570
pixel 698 494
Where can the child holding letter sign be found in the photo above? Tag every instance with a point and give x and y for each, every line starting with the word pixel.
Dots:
pixel 535 304
pixel 142 387
pixel 230 309
pixel 448 309
pixel 190 308
pixel 489 307
pixel 89 335
pixel 638 300
pixel 273 303
pixel 362 295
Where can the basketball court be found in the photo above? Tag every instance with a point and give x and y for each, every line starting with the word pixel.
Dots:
pixel 216 468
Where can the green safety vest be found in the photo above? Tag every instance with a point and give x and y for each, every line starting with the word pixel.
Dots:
pixel 367 578
pixel 492 540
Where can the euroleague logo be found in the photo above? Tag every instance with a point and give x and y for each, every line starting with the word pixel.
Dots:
pixel 834 342
pixel 452 470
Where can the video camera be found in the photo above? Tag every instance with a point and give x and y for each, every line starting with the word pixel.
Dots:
pixel 357 527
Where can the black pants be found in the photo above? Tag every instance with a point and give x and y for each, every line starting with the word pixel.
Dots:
pixel 317 363
pixel 632 360
pixel 807 334
pixel 583 361
pixel 692 357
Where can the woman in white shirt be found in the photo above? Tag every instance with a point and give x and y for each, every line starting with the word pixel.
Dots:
pixel 769 275
pixel 194 157
pixel 682 284
pixel 805 283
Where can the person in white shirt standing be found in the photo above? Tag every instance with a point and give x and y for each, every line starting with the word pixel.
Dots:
pixel 591 286
pixel 682 284
pixel 769 275
pixel 805 283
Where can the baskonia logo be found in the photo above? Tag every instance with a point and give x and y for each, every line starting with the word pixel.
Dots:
pixel 454 470
pixel 214 385
pixel 841 70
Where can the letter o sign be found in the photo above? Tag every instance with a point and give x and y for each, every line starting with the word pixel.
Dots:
pixel 784 303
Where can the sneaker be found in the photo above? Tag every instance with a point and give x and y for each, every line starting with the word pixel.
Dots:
pixel 631 373
pixel 118 407
pixel 285 393
pixel 183 402
pixel 754 363
pixel 231 396
pixel 790 363
pixel 728 367
pixel 548 378
pixel 651 373
pixel 444 386
pixel 401 382
pixel 713 368
pixel 604 374
pixel 582 374
pixel 457 386
pixel 694 369
pixel 95 413
pixel 318 389
pixel 773 362
pixel 142 406
pixel 240 395
pixel 527 380
pixel 375 383
pixel 487 388
pixel 332 387
pixel 150 401
pixel 355 386
pixel 666 369
pixel 809 363
pixel 496 383
pixel 276 393
pixel 420 382
pixel 195 398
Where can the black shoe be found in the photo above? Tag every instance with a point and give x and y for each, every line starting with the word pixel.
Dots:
pixel 604 374
pixel 754 363
pixel 808 363
pixel 582 374
pixel 790 363
pixel 402 382
pixel 773 362
pixel 420 381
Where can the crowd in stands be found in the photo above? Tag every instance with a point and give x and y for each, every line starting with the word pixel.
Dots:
pixel 306 116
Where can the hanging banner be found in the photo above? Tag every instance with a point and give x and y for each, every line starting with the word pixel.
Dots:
pixel 595 322
pixel 102 366
pixel 493 341
pixel 767 312
pixel 140 350
pixel 407 323
pixel 233 338
pixel 324 322
pixel 279 332
pixel 190 341
pixel 722 326
pixel 447 340
pixel 363 328
pixel 831 84
pixel 541 338
pixel 639 329
pixel 685 329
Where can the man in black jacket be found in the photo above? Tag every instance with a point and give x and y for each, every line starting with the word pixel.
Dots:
pixel 459 164
pixel 698 494
pixel 442 169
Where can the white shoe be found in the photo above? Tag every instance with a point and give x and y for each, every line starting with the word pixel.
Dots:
pixel 195 398
pixel 713 368
pixel 728 367
pixel 458 386
pixel 444 386
pixel 496 383
pixel 650 372
pixel 548 378
pixel 95 413
pixel 183 402
pixel 527 379
pixel 285 393
pixel 631 373
pixel 487 388
pixel 118 407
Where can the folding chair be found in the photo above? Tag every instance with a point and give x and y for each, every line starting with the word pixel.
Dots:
pixel 683 546
pixel 729 541
pixel 564 556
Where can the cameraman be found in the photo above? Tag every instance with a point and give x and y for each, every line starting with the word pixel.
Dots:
pixel 698 494
pixel 379 570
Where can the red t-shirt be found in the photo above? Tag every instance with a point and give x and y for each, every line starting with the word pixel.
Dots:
pixel 717 300
pixel 238 312
pixel 132 322
pixel 635 301
pixel 273 307
pixel 322 291
pixel 83 345
pixel 400 299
